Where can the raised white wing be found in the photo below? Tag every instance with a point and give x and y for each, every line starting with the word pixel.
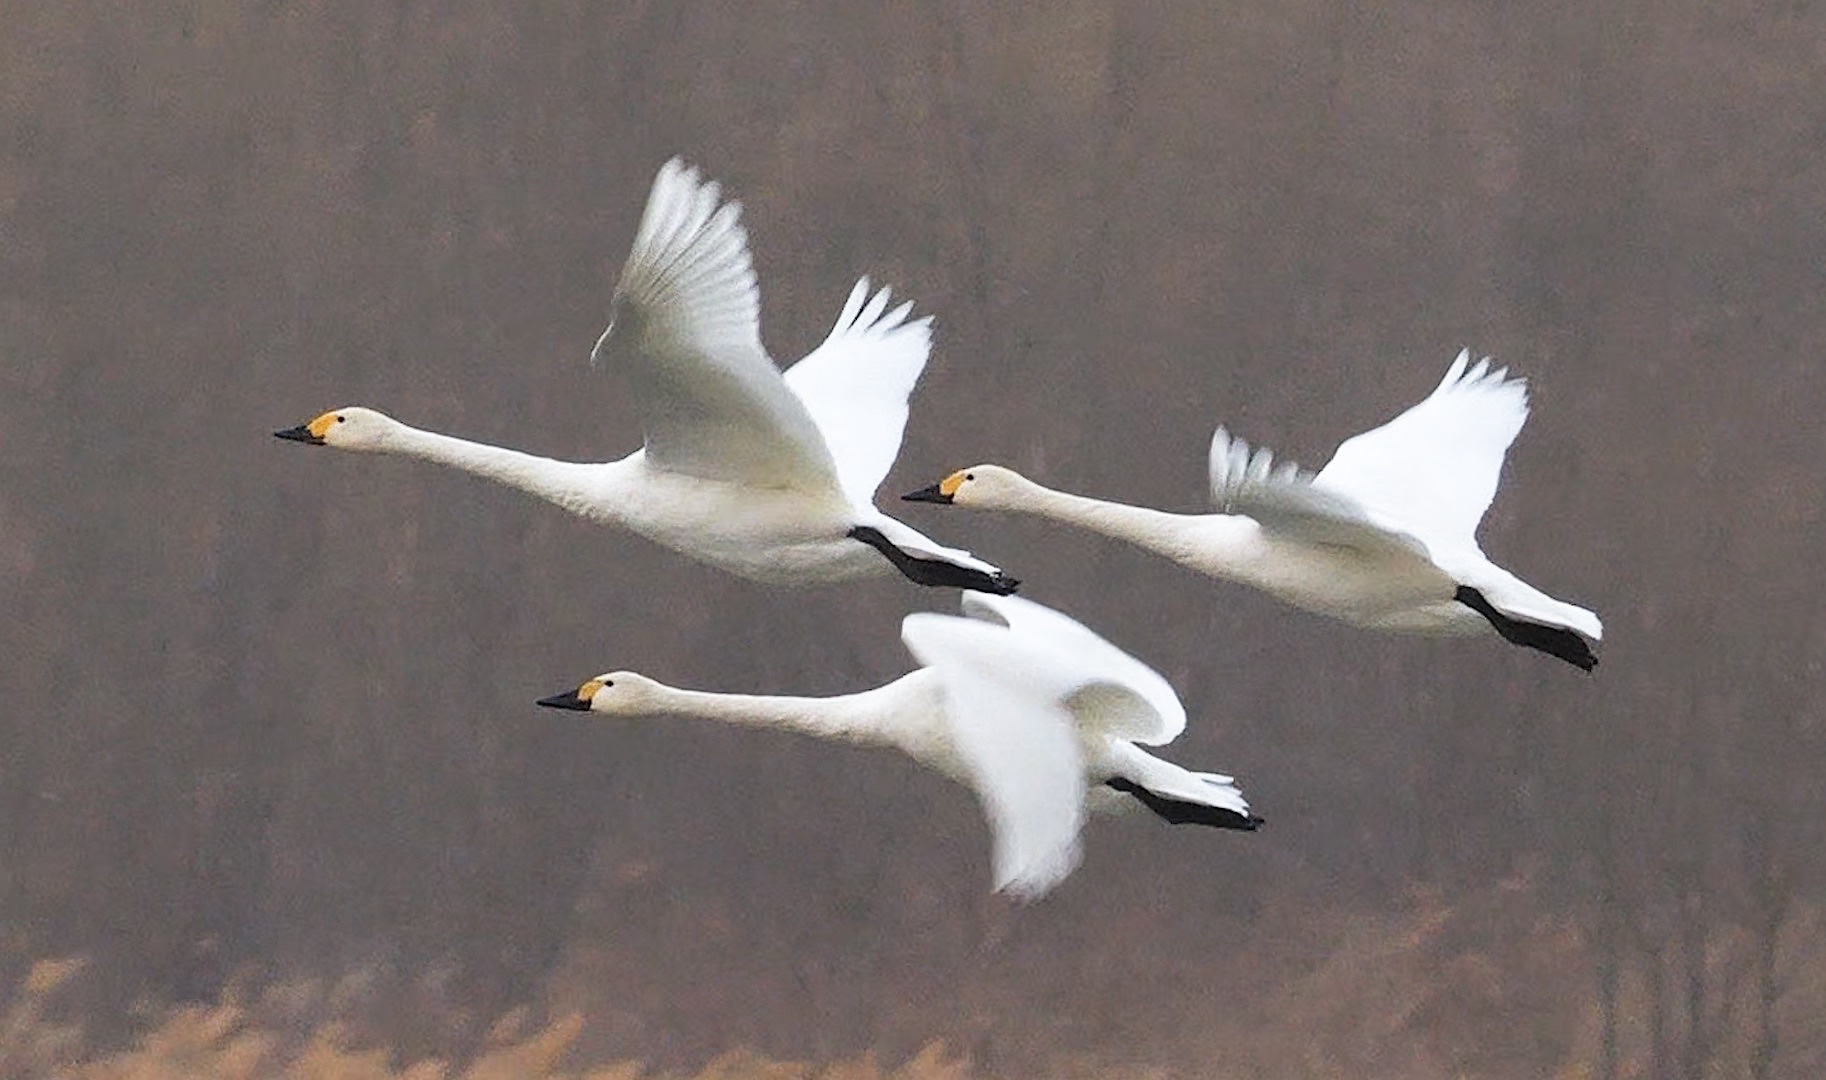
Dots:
pixel 1433 470
pixel 685 330
pixel 856 386
pixel 1127 698
pixel 1288 499
pixel 1018 744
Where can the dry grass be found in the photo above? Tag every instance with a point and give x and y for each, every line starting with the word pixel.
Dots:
pixel 1483 988
pixel 236 1040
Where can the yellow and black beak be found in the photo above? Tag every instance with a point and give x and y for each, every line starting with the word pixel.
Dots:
pixel 577 700
pixel 933 493
pixel 311 433
pixel 941 492
pixel 302 433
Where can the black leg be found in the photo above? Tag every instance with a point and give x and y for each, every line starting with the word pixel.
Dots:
pixel 1181 812
pixel 935 571
pixel 1552 640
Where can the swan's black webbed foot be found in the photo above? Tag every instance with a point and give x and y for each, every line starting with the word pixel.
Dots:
pixel 1181 812
pixel 935 572
pixel 1557 641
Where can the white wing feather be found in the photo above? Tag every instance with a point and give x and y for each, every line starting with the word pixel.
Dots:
pixel 856 386
pixel 1017 742
pixel 1434 469
pixel 1132 700
pixel 1288 499
pixel 685 330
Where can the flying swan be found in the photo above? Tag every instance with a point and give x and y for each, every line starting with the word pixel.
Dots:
pixel 768 476
pixel 1384 536
pixel 1035 712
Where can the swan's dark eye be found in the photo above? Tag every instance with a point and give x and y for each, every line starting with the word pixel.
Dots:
pixel 608 682
pixel 342 419
pixel 970 476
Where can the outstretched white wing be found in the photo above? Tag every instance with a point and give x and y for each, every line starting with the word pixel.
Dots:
pixel 685 330
pixel 1289 500
pixel 1434 469
pixel 1017 741
pixel 1131 700
pixel 856 386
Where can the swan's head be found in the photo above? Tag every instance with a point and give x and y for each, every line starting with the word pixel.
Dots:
pixel 353 428
pixel 614 693
pixel 983 485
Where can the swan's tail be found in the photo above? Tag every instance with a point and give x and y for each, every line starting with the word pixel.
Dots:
pixel 1180 796
pixel 1550 634
pixel 927 562
pixel 1526 616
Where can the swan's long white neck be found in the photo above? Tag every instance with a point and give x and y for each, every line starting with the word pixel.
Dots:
pixel 868 717
pixel 1193 539
pixel 567 483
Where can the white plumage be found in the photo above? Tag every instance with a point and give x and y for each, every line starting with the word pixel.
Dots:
pixel 857 383
pixel 1035 712
pixel 1384 536
pixel 768 476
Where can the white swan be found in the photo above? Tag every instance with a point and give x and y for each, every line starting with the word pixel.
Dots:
pixel 1027 706
pixel 771 477
pixel 1384 536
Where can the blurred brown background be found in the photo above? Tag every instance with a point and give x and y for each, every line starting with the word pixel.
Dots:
pixel 267 712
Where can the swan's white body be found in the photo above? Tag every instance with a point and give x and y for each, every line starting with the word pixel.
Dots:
pixel 1383 537
pixel 1035 712
pixel 763 474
